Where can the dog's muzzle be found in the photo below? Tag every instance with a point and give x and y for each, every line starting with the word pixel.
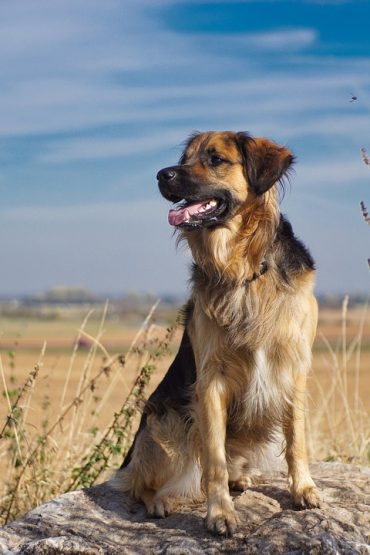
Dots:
pixel 196 206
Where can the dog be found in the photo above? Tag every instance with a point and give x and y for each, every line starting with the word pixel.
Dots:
pixel 239 377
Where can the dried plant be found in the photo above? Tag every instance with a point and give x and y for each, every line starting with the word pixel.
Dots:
pixel 365 213
pixel 365 157
pixel 72 450
pixel 339 427
pixel 118 435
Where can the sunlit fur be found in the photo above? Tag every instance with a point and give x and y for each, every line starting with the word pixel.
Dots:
pixel 251 337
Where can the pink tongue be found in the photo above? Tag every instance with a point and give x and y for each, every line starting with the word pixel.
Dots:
pixel 177 217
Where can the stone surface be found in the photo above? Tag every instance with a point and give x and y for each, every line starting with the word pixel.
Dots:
pixel 101 521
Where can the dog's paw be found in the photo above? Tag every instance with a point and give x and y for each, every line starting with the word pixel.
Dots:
pixel 307 498
pixel 240 485
pixel 158 507
pixel 222 519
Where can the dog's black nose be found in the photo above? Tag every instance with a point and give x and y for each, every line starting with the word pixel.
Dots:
pixel 167 174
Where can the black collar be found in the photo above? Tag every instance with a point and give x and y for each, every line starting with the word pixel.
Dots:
pixel 256 275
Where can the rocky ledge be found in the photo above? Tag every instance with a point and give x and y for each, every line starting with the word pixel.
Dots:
pixel 100 521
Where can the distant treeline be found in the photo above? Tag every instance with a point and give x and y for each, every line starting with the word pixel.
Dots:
pixel 62 302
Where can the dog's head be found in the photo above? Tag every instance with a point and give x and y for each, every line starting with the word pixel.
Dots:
pixel 218 173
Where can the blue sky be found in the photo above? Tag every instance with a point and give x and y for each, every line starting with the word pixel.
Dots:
pixel 97 96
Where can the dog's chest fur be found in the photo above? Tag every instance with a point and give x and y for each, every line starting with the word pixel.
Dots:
pixel 250 339
pixel 247 357
pixel 261 397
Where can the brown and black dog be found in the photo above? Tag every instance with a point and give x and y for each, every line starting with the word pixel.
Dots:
pixel 239 377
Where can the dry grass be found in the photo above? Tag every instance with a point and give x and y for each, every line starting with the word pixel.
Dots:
pixel 69 448
pixel 339 422
pixel 66 426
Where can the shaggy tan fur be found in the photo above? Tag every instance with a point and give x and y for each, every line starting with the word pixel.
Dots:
pixel 251 336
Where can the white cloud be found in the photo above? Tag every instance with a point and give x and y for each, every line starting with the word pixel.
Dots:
pixel 54 105
pixel 61 65
pixel 95 149
pixel 333 172
pixel 98 149
pixel 72 70
pixel 280 40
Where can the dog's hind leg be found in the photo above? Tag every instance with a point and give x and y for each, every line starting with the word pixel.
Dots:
pixel 161 466
pixel 162 461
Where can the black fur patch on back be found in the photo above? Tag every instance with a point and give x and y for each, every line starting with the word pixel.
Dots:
pixel 174 391
pixel 292 257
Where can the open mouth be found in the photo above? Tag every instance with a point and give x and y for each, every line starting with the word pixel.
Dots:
pixel 196 213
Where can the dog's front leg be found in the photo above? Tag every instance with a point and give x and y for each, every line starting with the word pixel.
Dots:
pixel 303 489
pixel 212 416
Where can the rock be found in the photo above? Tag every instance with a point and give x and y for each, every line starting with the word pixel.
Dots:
pixel 100 521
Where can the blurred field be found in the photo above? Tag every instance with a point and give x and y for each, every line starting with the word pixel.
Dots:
pixel 21 345
pixel 75 418
pixel 22 340
pixel 354 354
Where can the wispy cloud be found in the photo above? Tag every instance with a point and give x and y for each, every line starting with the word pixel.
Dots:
pixel 332 173
pixel 72 150
pixel 95 149
pixel 290 40
pixel 109 81
pixel 64 66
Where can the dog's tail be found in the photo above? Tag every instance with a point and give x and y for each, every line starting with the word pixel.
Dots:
pixel 121 480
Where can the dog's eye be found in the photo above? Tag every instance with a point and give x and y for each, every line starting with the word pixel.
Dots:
pixel 216 160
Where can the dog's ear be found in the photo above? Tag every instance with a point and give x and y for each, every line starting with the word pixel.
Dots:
pixel 265 162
